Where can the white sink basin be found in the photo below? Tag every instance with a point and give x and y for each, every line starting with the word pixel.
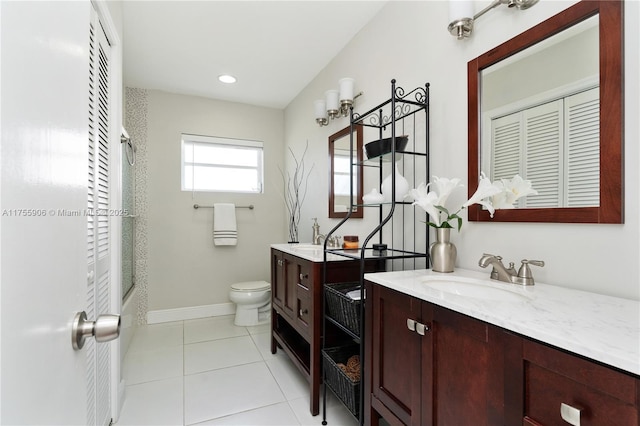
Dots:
pixel 472 288
pixel 307 247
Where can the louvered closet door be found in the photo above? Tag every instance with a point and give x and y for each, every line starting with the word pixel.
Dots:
pixel 582 139
pixel 98 247
pixel 506 155
pixel 544 152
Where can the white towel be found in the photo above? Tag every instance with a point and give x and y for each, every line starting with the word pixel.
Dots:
pixel 225 231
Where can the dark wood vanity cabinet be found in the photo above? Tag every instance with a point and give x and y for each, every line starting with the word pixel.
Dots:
pixel 428 365
pixel 458 370
pixel 296 316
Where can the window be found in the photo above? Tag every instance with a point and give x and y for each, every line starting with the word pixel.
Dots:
pixel 221 165
pixel 341 162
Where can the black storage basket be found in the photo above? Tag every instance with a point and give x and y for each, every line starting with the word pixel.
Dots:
pixel 346 389
pixel 341 307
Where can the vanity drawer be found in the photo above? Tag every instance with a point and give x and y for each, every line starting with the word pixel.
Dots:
pixel 305 277
pixel 592 393
pixel 303 311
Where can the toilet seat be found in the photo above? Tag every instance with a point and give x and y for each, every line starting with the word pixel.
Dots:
pixel 251 286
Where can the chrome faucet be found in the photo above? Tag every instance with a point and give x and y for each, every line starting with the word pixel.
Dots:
pixel 524 276
pixel 315 238
pixel 332 241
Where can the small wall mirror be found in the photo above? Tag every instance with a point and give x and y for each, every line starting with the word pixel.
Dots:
pixel 342 194
pixel 547 105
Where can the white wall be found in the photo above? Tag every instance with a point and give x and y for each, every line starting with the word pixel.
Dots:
pixel 185 269
pixel 408 41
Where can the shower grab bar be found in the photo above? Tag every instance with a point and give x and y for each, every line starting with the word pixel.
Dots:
pixel 198 206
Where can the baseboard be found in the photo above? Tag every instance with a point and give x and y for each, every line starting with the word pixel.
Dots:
pixel 191 312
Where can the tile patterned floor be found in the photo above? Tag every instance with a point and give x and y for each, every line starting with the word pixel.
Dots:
pixel 211 372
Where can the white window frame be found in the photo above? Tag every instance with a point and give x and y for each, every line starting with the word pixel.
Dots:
pixel 188 140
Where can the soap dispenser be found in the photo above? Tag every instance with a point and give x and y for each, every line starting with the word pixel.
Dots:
pixel 316 231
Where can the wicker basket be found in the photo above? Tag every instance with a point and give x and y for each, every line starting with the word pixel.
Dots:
pixel 346 389
pixel 341 307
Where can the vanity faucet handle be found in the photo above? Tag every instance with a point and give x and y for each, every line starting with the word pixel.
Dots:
pixel 525 271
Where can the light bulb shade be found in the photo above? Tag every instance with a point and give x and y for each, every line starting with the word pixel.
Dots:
pixel 346 88
pixel 331 96
pixel 460 9
pixel 320 108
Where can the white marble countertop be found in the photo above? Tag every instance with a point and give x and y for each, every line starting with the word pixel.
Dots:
pixel 308 251
pixel 602 328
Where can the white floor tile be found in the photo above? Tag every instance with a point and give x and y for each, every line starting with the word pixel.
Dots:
pixel 200 330
pixel 145 366
pixel 215 354
pixel 259 329
pixel 157 336
pixel 229 391
pixel 337 414
pixel 289 378
pixel 154 403
pixel 263 342
pixel 272 415
pixel 226 376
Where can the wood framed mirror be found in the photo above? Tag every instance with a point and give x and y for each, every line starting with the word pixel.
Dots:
pixel 342 166
pixel 606 168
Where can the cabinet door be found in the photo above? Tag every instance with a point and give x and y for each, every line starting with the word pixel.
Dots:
pixel 394 351
pixel 291 274
pixel 278 276
pixel 464 383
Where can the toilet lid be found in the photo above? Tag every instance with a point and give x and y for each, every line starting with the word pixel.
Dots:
pixel 251 285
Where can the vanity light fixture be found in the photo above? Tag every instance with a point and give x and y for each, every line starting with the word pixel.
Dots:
pixel 461 15
pixel 336 103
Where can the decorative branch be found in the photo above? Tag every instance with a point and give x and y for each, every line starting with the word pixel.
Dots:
pixel 295 191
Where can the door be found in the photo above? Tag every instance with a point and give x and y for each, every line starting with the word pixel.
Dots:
pixel 43 231
pixel 98 217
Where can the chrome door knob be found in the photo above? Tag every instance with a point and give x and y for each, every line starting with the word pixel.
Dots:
pixel 105 328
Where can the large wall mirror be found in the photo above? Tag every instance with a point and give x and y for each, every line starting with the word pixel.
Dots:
pixel 341 187
pixel 548 105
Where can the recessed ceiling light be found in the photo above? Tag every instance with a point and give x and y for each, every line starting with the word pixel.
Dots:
pixel 226 78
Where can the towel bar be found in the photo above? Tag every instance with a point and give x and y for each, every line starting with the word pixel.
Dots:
pixel 198 206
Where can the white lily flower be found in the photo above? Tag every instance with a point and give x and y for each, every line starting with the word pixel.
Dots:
pixel 427 200
pixel 493 196
pixel 444 187
pixel 519 187
pixel 512 190
pixel 485 190
pixel 503 200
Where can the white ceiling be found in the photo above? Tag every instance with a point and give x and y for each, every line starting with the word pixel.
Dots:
pixel 274 48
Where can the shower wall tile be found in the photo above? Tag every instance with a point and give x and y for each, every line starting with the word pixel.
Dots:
pixel 136 107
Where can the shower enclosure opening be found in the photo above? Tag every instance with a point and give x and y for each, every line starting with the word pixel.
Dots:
pixel 129 216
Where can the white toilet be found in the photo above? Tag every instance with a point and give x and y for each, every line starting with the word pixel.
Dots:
pixel 253 302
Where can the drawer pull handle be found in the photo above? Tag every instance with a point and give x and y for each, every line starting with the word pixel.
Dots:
pixel 303 276
pixel 303 312
pixel 411 324
pixel 421 328
pixel 570 414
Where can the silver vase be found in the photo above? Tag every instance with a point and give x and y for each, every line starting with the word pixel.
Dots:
pixel 442 252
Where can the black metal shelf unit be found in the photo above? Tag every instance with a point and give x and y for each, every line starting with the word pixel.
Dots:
pixel 399 224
